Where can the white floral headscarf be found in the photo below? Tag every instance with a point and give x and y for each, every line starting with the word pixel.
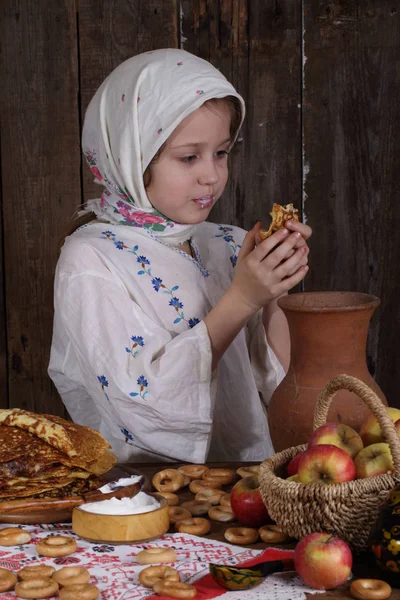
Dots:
pixel 131 115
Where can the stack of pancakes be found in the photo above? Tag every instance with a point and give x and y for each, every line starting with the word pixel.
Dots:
pixel 47 456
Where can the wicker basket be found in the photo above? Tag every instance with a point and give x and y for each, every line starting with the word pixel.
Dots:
pixel 347 510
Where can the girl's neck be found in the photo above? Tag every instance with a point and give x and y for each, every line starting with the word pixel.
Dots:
pixel 186 247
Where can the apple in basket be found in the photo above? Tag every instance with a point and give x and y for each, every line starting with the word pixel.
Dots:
pixel 323 561
pixel 372 460
pixel 340 435
pixel 247 503
pixel 293 466
pixel 370 430
pixel 326 463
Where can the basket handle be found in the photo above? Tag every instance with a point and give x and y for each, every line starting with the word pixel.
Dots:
pixel 369 397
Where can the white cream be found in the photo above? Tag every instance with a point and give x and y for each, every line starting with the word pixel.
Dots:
pixel 124 481
pixel 141 503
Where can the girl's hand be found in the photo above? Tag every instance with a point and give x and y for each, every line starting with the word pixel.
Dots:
pixel 272 267
pixel 292 226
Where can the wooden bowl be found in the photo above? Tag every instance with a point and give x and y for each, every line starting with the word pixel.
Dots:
pixel 122 529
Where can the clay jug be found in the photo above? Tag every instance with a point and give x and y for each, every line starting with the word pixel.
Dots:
pixel 328 337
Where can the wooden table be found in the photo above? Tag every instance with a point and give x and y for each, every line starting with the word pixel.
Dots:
pixel 364 565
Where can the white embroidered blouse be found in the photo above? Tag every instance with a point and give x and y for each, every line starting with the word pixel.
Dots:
pixel 131 355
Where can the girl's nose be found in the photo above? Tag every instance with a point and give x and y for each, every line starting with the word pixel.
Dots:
pixel 208 174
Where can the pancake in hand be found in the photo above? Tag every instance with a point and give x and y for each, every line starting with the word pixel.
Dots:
pixel 279 214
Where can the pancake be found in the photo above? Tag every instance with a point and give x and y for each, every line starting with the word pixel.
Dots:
pixel 73 488
pixel 86 446
pixel 52 433
pixel 47 456
pixel 31 455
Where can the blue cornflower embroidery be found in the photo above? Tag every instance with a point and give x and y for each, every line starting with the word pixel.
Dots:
pixel 143 383
pixel 175 302
pixel 108 235
pixel 127 434
pixel 103 381
pixel 137 341
pixel 156 282
pixel 193 322
pixel 143 260
pixel 228 238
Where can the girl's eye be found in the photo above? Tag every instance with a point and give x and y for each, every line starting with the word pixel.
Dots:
pixel 188 159
pixel 222 153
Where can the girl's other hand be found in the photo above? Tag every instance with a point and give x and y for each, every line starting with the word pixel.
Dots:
pixel 272 267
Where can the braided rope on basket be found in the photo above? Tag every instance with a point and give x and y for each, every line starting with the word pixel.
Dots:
pixel 347 510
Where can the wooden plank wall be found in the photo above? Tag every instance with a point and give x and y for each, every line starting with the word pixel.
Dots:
pixel 321 80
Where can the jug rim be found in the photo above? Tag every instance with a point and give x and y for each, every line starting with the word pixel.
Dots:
pixel 328 301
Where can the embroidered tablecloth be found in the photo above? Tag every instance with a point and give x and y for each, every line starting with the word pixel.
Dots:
pixel 114 570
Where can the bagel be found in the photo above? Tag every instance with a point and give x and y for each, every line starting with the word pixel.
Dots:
pixel 241 535
pixel 223 514
pixel 35 572
pixel 79 591
pixel 152 556
pixel 45 587
pixel 168 480
pixel 56 545
pixel 7 580
pixel 272 534
pixel 224 476
pixel 194 526
pixel 71 575
pixel 370 589
pixel 174 589
pixel 193 471
pixel 14 536
pixel 150 575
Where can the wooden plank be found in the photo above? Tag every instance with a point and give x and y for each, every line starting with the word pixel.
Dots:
pixel 256 45
pixel 111 31
pixel 40 165
pixel 3 320
pixel 351 124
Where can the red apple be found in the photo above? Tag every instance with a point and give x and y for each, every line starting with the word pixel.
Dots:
pixel 370 430
pixel 293 466
pixel 323 561
pixel 340 435
pixel 326 463
pixel 372 460
pixel 247 503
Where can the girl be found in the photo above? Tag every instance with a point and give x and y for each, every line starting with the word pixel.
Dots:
pixel 161 324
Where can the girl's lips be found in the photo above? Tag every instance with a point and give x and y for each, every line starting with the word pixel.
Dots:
pixel 204 201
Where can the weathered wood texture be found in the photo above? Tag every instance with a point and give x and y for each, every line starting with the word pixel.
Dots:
pixel 256 45
pixel 40 181
pixel 322 137
pixel 351 114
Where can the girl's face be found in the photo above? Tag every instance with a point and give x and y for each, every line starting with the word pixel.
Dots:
pixel 192 171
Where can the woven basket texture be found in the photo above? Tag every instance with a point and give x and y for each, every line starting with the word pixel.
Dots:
pixel 346 510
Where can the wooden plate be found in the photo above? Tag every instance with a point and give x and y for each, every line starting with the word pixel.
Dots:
pixel 57 515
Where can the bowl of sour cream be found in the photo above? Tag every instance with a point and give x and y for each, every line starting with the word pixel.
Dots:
pixel 122 521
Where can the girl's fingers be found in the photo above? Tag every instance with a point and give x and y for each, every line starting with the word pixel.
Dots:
pixel 291 265
pixel 303 261
pixel 290 282
pixel 302 228
pixel 274 243
pixel 248 243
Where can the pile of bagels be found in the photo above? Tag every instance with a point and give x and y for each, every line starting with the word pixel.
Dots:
pixel 44 581
pixel 210 502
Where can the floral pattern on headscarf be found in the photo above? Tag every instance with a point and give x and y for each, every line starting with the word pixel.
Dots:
pixel 130 117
